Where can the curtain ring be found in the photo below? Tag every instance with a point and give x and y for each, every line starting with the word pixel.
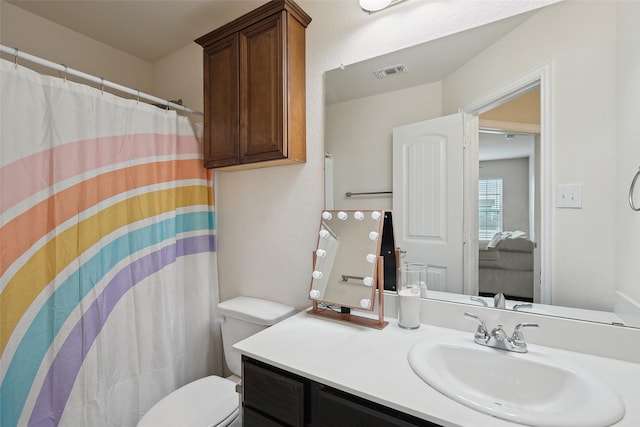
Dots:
pixel 65 72
pixel 15 57
pixel 102 85
pixel 631 190
pixel 138 98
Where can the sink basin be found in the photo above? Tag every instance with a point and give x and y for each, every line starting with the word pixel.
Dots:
pixel 531 388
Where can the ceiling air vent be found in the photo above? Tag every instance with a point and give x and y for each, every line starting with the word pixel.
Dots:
pixel 390 71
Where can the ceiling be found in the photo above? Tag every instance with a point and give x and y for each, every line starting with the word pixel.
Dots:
pixel 425 63
pixel 152 29
pixel 146 29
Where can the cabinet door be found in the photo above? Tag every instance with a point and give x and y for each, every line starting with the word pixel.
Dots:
pixel 221 104
pixel 270 394
pixel 332 408
pixel 262 85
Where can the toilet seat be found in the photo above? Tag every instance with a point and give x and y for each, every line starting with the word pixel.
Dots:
pixel 209 401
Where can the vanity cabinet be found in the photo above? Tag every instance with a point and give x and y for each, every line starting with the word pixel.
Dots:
pixel 275 397
pixel 254 89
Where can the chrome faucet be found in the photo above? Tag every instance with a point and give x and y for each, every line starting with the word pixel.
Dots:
pixel 499 300
pixel 498 338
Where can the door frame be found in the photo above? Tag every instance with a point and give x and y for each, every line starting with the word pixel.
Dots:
pixel 540 76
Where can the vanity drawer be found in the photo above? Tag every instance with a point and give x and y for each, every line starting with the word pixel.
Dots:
pixel 251 418
pixel 333 408
pixel 272 394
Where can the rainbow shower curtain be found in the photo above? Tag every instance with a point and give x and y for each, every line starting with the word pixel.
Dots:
pixel 107 255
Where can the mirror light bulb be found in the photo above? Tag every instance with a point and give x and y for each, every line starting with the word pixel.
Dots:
pixel 368 281
pixel 314 294
pixel 324 233
pixel 374 235
pixel 321 253
pixel 371 258
pixel 317 274
pixel 358 215
pixel 327 215
pixel 365 303
pixel 342 215
pixel 375 215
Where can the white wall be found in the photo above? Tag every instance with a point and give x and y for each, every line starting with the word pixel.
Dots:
pixel 627 232
pixel 361 129
pixel 583 133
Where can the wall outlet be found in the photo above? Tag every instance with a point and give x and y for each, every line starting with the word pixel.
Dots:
pixel 569 196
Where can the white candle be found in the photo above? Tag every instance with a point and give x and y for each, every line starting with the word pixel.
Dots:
pixel 409 308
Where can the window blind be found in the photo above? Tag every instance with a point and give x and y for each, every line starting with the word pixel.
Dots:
pixel 489 208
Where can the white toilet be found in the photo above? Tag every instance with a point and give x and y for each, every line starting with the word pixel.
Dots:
pixel 213 401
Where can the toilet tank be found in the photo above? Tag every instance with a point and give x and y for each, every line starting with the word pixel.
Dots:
pixel 243 317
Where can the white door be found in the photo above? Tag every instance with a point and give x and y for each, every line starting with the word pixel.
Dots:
pixel 428 198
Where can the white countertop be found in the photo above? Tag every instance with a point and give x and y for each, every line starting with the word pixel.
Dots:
pixel 373 364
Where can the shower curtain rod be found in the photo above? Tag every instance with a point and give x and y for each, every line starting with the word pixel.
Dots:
pixel 17 54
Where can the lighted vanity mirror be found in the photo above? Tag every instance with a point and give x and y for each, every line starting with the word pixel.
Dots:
pixel 585 137
pixel 345 270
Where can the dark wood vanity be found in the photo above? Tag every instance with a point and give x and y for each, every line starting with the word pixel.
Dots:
pixel 254 89
pixel 275 397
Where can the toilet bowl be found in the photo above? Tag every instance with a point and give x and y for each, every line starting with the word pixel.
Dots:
pixel 209 401
pixel 213 401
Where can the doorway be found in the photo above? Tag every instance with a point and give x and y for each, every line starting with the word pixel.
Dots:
pixel 508 201
pixel 489 115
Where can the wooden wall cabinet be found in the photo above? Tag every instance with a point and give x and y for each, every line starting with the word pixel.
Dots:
pixel 254 89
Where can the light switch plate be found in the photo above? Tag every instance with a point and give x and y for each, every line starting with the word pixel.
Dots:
pixel 569 196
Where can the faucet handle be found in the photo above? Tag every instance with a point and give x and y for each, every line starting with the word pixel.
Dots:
pixel 479 300
pixel 498 333
pixel 481 332
pixel 517 338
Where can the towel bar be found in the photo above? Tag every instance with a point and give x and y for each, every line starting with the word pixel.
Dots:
pixel 633 185
pixel 366 193
pixel 346 277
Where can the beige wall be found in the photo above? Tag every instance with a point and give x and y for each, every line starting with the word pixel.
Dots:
pixel 267 219
pixel 46 39
pixel 523 109
pixel 179 76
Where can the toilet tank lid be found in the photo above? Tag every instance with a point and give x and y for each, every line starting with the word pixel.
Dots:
pixel 255 310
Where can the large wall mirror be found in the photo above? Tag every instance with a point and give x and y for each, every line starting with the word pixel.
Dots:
pixel 543 155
